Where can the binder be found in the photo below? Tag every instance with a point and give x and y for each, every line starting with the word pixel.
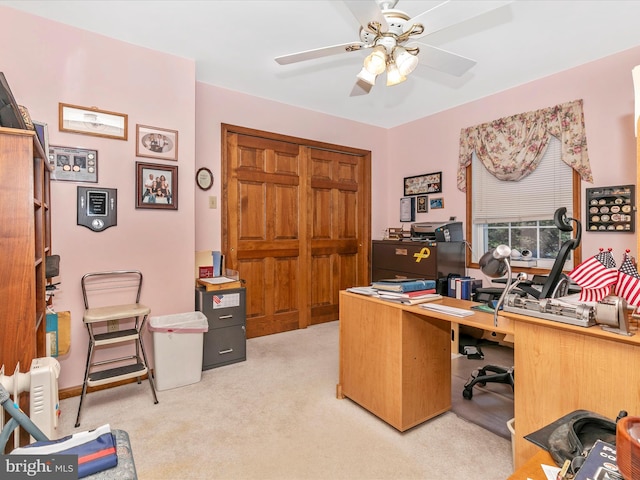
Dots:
pixel 217 263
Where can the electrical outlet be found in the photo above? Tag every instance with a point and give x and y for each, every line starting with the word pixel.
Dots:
pixel 213 201
pixel 112 326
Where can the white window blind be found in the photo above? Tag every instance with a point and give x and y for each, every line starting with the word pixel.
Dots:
pixel 535 197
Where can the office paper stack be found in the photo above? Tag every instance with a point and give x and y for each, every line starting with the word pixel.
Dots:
pixel 406 291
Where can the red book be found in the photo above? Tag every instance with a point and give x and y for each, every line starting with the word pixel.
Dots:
pixel 205 272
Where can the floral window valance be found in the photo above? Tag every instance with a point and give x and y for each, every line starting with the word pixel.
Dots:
pixel 511 147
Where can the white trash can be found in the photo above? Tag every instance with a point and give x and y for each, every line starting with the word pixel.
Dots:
pixel 177 348
pixel 511 425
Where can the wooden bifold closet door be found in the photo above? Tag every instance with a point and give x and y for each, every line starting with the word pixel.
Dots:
pixel 295 224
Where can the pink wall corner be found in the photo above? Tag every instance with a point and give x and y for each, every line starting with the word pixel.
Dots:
pixel 56 63
pixel 216 106
pixel 431 143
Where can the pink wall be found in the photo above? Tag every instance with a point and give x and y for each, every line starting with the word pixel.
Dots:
pixel 49 63
pixel 431 144
pixel 56 63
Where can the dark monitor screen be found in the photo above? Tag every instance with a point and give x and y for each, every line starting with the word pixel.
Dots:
pixel 9 113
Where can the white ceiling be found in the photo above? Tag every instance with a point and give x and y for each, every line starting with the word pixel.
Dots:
pixel 234 43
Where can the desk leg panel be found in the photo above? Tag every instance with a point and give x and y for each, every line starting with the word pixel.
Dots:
pixel 559 371
pixel 394 363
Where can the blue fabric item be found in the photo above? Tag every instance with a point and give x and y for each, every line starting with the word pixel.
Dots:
pixel 94 454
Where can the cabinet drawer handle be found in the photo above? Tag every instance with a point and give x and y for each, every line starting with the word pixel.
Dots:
pixel 225 317
pixel 222 352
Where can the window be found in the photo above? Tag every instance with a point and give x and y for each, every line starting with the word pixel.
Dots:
pixel 520 214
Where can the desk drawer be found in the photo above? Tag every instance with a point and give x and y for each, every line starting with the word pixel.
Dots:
pixel 223 346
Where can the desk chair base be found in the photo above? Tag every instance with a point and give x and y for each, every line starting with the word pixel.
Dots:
pixel 480 377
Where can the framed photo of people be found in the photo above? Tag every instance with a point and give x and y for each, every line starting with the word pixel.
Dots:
pixel 156 186
pixel 154 142
pixel 423 184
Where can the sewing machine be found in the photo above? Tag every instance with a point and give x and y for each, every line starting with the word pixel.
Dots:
pixel 610 313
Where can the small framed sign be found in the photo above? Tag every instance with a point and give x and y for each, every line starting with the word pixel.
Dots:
pixel 423 205
pixel 204 178
pixel 407 209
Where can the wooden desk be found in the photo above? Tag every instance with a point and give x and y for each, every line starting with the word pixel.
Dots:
pixel 395 361
pixel 532 469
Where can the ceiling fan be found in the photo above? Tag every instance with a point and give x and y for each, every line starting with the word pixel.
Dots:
pixel 388 33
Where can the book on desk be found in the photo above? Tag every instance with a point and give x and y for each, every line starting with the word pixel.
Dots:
pixel 404 285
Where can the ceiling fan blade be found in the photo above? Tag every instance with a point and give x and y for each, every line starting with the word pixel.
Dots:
pixel 319 52
pixel 450 13
pixel 360 88
pixel 443 60
pixel 367 11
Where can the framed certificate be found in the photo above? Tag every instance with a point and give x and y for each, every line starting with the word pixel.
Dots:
pixel 407 209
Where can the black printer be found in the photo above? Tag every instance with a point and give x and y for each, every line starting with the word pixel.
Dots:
pixel 437 231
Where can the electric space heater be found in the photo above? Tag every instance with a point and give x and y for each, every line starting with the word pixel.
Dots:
pixel 41 381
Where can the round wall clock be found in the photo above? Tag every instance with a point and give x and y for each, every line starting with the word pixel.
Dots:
pixel 204 178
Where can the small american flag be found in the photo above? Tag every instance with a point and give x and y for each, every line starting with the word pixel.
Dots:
pixel 594 294
pixel 628 283
pixel 217 300
pixel 597 272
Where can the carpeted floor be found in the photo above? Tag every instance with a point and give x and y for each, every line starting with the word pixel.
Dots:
pixel 276 416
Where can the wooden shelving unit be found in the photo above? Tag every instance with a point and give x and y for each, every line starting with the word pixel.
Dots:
pixel 25 242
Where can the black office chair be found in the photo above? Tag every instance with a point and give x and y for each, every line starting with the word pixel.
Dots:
pixel 556 284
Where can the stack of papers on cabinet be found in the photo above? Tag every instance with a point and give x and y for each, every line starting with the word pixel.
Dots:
pixel 219 283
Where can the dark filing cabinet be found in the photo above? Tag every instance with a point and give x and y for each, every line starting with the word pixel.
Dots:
pixel 411 259
pixel 226 340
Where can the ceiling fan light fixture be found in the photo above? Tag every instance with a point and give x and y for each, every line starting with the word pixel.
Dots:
pixel 376 61
pixel 406 62
pixel 394 77
pixel 366 76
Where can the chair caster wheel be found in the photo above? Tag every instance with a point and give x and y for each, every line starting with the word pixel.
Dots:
pixel 467 393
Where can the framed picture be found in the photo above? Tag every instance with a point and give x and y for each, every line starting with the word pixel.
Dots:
pixel 435 203
pixel 156 186
pixel 156 142
pixel 407 209
pixel 421 184
pixel 73 164
pixel 91 121
pixel 42 130
pixel 422 205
